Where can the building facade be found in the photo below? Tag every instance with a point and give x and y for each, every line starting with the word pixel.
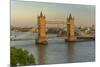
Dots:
pixel 42 39
pixel 70 29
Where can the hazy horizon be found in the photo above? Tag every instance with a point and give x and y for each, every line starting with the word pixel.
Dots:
pixel 24 13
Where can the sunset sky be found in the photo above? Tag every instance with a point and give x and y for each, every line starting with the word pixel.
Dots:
pixel 24 13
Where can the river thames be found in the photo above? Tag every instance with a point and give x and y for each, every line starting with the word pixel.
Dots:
pixel 57 51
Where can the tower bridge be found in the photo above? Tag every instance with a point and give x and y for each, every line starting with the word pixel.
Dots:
pixel 42 38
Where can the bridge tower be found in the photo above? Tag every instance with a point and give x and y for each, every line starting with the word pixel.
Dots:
pixel 42 39
pixel 70 29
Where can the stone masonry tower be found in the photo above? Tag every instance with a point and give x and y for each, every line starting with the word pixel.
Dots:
pixel 42 39
pixel 70 29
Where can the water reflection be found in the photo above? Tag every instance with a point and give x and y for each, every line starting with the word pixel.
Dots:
pixel 71 52
pixel 42 58
pixel 42 54
pixel 57 51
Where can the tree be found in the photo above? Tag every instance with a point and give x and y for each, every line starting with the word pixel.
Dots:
pixel 21 57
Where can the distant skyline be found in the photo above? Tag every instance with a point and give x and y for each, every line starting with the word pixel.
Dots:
pixel 24 13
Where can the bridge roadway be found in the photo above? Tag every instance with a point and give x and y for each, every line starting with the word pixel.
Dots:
pixel 55 37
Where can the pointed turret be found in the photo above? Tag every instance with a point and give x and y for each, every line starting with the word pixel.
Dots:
pixel 44 15
pixel 70 16
pixel 41 14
